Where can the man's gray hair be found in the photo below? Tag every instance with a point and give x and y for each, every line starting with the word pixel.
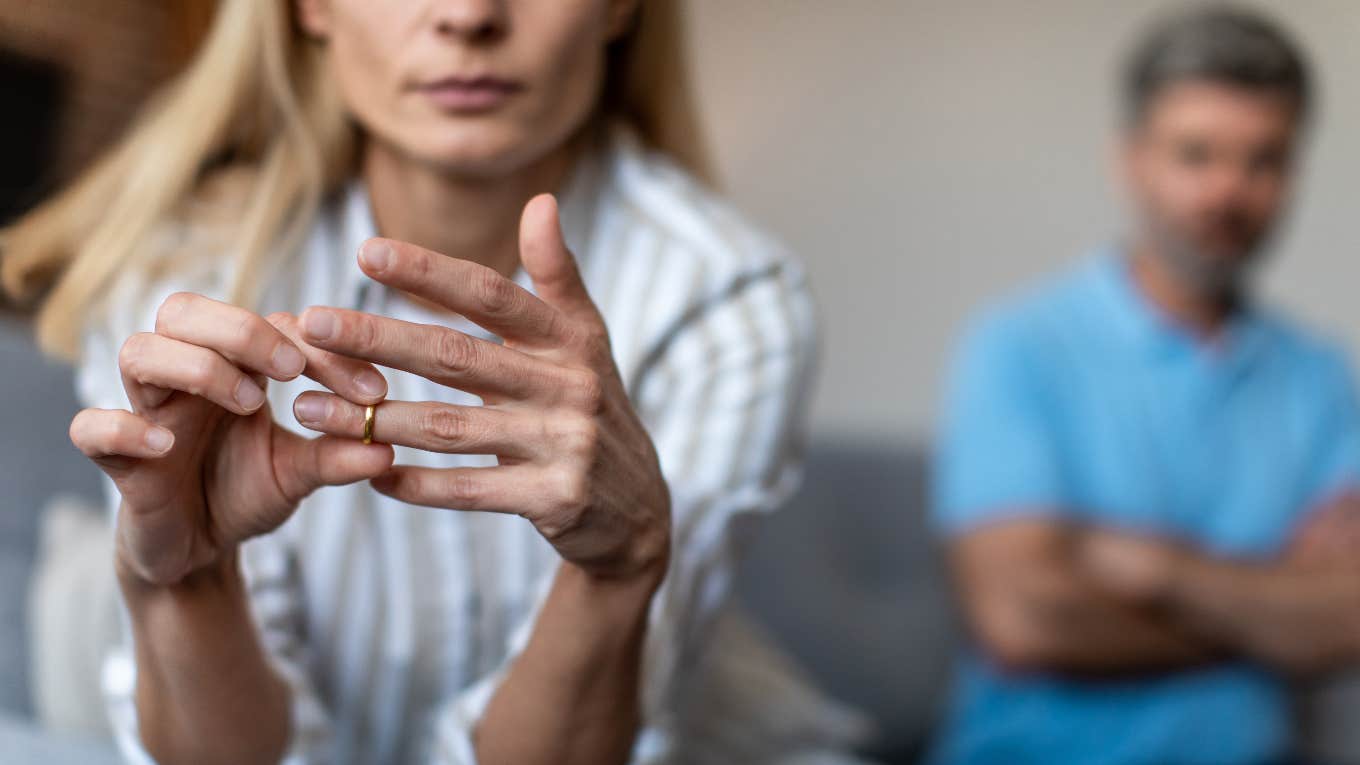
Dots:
pixel 1215 43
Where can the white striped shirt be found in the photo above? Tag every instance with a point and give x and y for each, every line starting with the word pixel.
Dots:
pixel 394 623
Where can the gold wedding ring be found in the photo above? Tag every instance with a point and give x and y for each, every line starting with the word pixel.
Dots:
pixel 370 414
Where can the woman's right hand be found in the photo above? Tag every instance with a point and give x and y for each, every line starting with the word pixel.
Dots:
pixel 200 462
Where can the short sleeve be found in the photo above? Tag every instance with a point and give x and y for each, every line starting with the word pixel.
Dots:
pixel 723 401
pixel 997 455
pixel 1336 464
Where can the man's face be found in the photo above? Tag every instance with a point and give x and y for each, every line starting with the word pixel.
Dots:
pixel 1208 166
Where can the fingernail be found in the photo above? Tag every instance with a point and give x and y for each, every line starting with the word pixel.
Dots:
pixel 320 325
pixel 375 255
pixel 370 383
pixel 249 395
pixel 310 410
pixel 287 361
pixel 159 440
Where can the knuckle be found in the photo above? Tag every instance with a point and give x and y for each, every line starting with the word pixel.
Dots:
pixel 281 319
pixel 367 336
pixel 579 437
pixel 172 307
pixel 496 295
pixel 132 351
pixel 466 488
pixel 117 430
pixel 566 506
pixel 248 328
pixel 199 374
pixel 571 491
pixel 455 353
pixel 444 426
pixel 593 337
pixel 586 390
pixel 419 264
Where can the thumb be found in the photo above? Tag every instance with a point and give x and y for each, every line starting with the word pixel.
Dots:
pixel 306 464
pixel 547 260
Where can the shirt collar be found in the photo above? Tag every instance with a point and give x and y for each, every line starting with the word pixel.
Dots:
pixel 1154 332
pixel 578 201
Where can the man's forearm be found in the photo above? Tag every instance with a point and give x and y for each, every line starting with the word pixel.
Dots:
pixel 1296 618
pixel 573 695
pixel 1072 626
pixel 205 691
pixel 1036 607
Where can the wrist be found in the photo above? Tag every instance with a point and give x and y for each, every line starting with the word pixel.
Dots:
pixel 638 582
pixel 162 549
pixel 613 598
pixel 219 572
pixel 639 565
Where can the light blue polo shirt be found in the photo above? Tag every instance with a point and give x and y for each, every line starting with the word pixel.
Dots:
pixel 1080 400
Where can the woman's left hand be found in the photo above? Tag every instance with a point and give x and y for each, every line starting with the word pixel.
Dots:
pixel 574 458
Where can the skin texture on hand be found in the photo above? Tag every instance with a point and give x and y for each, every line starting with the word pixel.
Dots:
pixel 574 459
pixel 200 463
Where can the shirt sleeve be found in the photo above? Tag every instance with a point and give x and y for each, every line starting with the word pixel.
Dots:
pixel 1336 466
pixel 997 455
pixel 723 399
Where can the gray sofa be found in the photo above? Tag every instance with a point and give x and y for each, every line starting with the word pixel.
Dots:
pixel 37 461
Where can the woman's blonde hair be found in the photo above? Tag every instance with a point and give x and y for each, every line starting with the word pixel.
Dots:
pixel 258 97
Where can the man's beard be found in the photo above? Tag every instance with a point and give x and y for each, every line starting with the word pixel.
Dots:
pixel 1221 280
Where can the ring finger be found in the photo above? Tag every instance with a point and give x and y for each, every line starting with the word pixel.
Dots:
pixel 428 425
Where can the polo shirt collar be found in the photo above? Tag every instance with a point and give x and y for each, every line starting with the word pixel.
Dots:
pixel 1149 328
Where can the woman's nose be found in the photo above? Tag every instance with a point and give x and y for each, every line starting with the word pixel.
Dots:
pixel 473 20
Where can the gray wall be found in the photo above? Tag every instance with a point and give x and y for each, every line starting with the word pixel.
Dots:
pixel 925 156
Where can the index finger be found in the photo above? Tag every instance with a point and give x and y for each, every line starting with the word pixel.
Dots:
pixel 471 289
pixel 353 379
pixel 239 335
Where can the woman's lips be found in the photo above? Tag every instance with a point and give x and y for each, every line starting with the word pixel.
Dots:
pixel 466 95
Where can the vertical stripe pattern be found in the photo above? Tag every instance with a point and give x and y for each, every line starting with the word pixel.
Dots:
pixel 395 623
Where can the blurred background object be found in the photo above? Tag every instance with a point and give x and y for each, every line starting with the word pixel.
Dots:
pixel 77 71
pixel 922 156
pixel 925 157
pixel 74 74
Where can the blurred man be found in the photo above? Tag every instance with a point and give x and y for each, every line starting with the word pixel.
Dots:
pixel 1147 481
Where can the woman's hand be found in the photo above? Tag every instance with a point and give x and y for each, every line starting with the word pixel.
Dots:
pixel 199 461
pixel 574 458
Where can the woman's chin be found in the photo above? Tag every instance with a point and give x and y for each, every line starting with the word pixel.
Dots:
pixel 477 151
